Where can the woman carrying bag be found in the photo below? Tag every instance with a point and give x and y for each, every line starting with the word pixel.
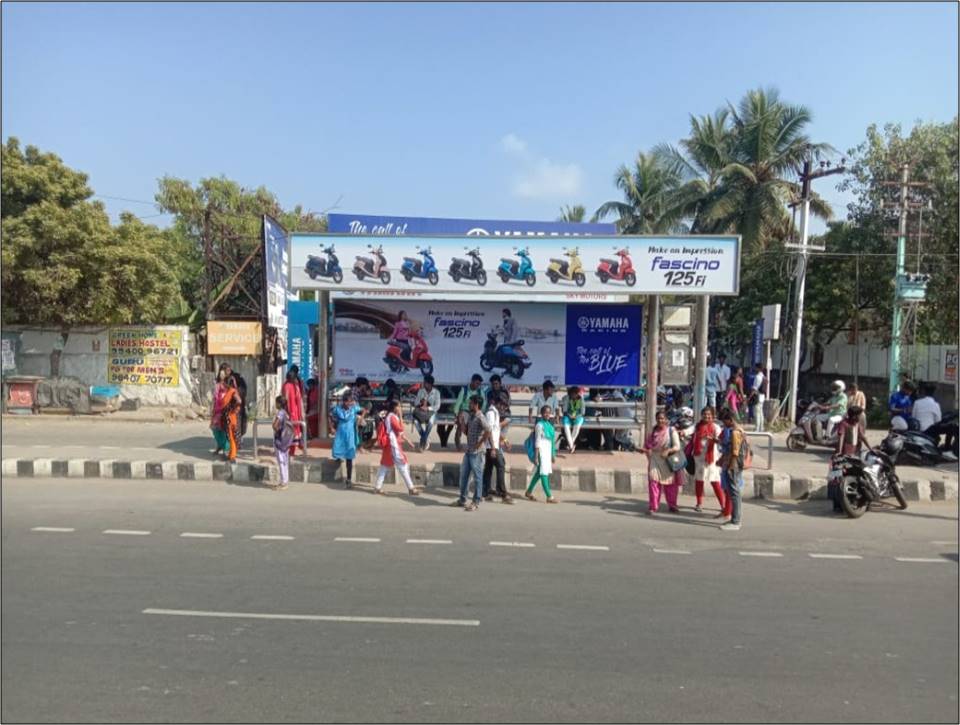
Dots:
pixel 661 447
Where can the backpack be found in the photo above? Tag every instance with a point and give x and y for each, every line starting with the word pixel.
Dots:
pixel 745 457
pixel 283 438
pixel 382 438
pixel 530 444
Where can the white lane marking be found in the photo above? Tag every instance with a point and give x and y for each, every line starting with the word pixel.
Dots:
pixel 771 554
pixel 358 539
pixel 584 547
pixel 315 617
pixel 110 448
pixel 944 543
pixel 518 544
pixel 56 529
pixel 921 560
pixel 835 556
pixel 126 532
pixel 271 537
pixel 429 541
pixel 195 535
pixel 670 551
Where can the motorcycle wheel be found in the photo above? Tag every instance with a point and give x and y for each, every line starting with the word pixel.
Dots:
pixel 407 276
pixel 604 277
pixel 580 279
pixel 434 278
pixel 456 276
pixel 552 277
pixel 485 364
pixel 338 277
pixel 852 502
pixel 359 274
pixel 516 370
pixel 426 367
pixel 531 279
pixel 385 277
pixel 481 278
pixel 897 491
pixel 796 443
pixel 312 274
pixel 630 279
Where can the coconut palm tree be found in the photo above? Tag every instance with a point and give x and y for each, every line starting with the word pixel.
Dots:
pixel 650 204
pixel 576 213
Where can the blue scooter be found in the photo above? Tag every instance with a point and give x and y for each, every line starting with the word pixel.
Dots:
pixel 422 269
pixel 518 268
pixel 512 358
pixel 325 267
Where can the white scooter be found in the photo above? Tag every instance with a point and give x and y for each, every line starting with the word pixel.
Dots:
pixel 798 439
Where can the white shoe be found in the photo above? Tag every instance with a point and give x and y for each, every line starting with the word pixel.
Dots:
pixel 730 527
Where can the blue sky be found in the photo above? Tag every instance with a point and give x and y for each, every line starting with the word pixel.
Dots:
pixel 483 111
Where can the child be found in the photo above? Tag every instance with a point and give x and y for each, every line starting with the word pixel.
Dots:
pixel 545 442
pixel 283 433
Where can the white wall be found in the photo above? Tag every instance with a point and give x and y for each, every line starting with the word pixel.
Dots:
pixel 925 362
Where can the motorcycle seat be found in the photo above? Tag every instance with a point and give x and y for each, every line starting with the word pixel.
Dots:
pixel 458 260
pixel 558 261
pixel 412 260
pixel 608 261
pixel 509 261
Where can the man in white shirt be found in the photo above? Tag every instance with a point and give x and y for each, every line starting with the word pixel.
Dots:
pixel 723 372
pixel 756 393
pixel 496 411
pixel 547 397
pixel 926 410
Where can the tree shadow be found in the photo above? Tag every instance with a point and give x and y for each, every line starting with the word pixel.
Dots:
pixel 637 507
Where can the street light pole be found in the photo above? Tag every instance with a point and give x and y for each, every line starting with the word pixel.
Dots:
pixel 894 382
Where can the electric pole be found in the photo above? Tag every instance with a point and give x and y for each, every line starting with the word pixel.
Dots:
pixel 806 177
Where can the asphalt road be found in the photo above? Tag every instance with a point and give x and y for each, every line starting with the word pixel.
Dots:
pixel 659 620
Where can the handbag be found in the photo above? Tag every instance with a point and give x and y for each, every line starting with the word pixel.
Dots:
pixel 422 415
pixel 676 462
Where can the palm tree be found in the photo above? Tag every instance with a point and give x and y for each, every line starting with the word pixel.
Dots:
pixel 650 200
pixel 576 213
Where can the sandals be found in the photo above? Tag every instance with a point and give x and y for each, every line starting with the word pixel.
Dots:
pixel 414 491
pixel 530 497
pixel 552 499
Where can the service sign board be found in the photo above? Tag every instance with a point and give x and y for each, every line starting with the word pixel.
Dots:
pixel 406 225
pixel 234 338
pixel 569 344
pixel 550 265
pixel 145 356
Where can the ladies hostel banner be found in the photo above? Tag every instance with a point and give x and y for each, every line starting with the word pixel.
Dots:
pixel 516 265
pixel 571 344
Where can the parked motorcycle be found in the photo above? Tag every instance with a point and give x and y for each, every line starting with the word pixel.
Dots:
pixel 328 266
pixel 424 268
pixel 859 482
pixel 570 269
pixel 373 266
pixel 419 359
pixel 512 358
pixel 621 271
pixel 521 268
pixel 469 268
pixel 911 447
pixel 798 439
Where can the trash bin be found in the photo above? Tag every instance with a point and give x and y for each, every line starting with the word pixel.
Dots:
pixel 20 394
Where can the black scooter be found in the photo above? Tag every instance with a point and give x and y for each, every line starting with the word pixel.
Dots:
pixel 325 267
pixel 911 447
pixel 469 268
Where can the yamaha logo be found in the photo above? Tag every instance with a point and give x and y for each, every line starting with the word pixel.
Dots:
pixel 603 324
pixel 583 323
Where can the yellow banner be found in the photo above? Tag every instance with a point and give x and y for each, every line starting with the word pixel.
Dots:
pixel 145 356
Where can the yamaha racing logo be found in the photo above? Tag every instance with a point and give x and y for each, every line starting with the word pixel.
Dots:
pixel 603 324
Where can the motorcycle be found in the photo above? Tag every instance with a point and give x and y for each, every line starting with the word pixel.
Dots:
pixel 518 268
pixel 859 482
pixel 512 358
pixel 328 266
pixel 571 270
pixel 798 439
pixel 419 359
pixel 469 268
pixel 422 269
pixel 911 447
pixel 621 271
pixel 373 266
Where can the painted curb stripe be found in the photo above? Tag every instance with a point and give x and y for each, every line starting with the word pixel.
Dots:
pixel 315 617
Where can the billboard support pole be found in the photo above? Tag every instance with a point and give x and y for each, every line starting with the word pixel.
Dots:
pixel 323 355
pixel 653 360
pixel 703 334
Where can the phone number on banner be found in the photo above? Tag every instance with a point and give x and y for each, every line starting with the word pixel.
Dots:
pixel 162 372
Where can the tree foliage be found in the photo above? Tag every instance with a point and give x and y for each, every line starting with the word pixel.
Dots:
pixel 573 214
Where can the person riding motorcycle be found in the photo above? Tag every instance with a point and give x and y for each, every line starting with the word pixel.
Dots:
pixel 833 411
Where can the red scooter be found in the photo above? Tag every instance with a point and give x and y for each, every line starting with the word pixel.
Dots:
pixel 618 270
pixel 419 358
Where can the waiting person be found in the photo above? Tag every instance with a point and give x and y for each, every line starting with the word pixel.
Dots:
pixel 706 456
pixel 493 450
pixel 478 432
pixel 291 391
pixel 347 418
pixel 573 411
pixel 283 434
pixel 231 407
pixel 713 385
pixel 496 388
pixel 926 410
pixel 662 441
pixel 445 429
pixel 734 397
pixel 757 396
pixel 545 442
pixel 400 335
pixel 901 402
pixel 313 408
pixel 722 373
pixel 216 417
pixel 461 408
pixel 546 397
pixel 241 386
pixel 425 407
pixel 393 455
pixel 856 398
pixel 732 442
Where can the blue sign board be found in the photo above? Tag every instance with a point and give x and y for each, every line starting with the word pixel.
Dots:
pixel 757 346
pixel 304 316
pixel 403 225
pixel 603 345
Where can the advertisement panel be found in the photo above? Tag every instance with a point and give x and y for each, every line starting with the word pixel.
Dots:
pixel 438 264
pixel 950 366
pixel 454 339
pixel 145 356
pixel 276 265
pixel 234 338
pixel 404 225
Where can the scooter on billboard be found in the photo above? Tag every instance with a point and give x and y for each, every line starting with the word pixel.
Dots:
pixel 567 269
pixel 469 268
pixel 424 268
pixel 373 266
pixel 419 359
pixel 621 271
pixel 511 357
pixel 328 266
pixel 521 268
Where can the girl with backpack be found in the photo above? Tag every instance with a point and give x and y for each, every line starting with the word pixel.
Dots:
pixel 283 435
pixel 543 447
pixel 391 438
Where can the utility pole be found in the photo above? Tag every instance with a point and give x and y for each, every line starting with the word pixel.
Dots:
pixel 703 335
pixel 653 364
pixel 806 177
pixel 895 330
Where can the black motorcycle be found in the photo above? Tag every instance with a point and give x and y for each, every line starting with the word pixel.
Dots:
pixel 912 447
pixel 325 267
pixel 856 483
pixel 469 268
